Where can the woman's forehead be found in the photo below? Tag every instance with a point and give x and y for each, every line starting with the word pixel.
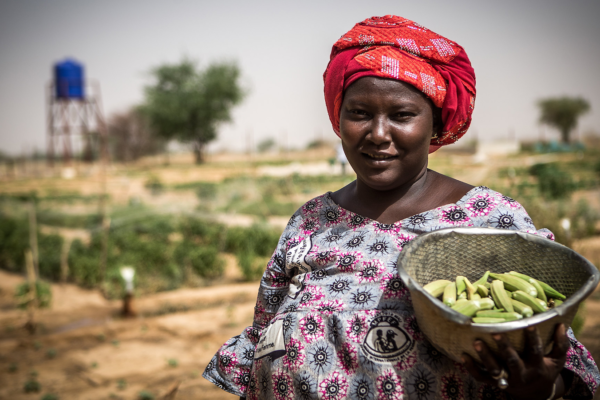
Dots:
pixel 372 87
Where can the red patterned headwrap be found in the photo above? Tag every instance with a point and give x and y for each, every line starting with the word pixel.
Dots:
pixel 396 48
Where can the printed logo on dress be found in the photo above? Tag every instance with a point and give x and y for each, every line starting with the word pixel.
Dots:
pixel 295 258
pixel 386 341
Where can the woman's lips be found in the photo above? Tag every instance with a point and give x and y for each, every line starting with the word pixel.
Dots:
pixel 379 156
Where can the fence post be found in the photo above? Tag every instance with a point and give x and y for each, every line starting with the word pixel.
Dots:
pixel 32 303
pixel 33 242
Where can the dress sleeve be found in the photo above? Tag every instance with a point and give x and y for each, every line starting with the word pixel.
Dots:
pixel 506 213
pixel 229 369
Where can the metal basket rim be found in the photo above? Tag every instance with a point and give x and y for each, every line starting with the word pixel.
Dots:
pixel 461 319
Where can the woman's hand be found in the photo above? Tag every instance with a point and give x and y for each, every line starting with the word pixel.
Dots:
pixel 530 377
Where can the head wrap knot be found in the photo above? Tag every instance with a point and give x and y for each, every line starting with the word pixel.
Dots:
pixel 396 48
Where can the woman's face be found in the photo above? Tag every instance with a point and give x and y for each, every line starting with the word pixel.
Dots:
pixel 386 126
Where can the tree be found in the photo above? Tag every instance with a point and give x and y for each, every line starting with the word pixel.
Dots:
pixel 562 113
pixel 130 137
pixel 188 104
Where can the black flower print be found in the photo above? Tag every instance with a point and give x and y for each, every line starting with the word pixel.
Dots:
pixel 421 384
pixel 356 221
pixel 528 220
pixel 320 358
pixel 508 199
pixel 264 381
pixel 288 323
pixel 333 237
pixel 379 248
pixel 274 299
pixel 331 215
pixel 283 385
pixel 310 206
pixel 253 334
pixel 452 387
pixel 362 299
pixel 362 388
pixel 318 274
pixel 339 286
pixel 242 379
pixel 454 215
pixel 503 221
pixel 213 363
pixel 279 260
pixel 355 241
pixel 385 227
pixel 431 356
pixel 248 355
pixel 305 387
pixel 488 392
pixel 418 220
pixel 291 308
pixel 480 204
pixel 306 297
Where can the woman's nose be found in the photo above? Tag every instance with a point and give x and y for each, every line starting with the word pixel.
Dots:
pixel 380 130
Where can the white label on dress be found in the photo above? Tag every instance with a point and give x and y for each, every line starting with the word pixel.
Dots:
pixel 295 256
pixel 271 342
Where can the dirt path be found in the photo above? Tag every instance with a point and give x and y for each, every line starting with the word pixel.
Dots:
pixel 84 350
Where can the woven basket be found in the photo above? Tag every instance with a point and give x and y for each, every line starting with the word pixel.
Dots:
pixel 470 252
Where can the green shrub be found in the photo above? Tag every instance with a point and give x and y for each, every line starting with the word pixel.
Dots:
pixel 50 396
pixel 50 247
pixel 204 260
pixel 202 231
pixel 32 385
pixel 43 292
pixel 145 395
pixel 257 239
pixel 251 266
pixel 14 240
pixel 553 181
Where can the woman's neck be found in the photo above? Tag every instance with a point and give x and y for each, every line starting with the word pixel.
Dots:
pixel 428 190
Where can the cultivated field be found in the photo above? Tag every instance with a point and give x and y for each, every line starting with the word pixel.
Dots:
pixel 198 237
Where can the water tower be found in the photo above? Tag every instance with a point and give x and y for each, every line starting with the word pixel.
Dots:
pixel 75 120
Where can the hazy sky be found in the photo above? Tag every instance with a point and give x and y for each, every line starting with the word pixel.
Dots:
pixel 521 51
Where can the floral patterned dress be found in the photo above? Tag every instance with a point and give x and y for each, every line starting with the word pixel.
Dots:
pixel 333 320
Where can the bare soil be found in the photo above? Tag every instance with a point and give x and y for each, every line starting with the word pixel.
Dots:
pixel 84 349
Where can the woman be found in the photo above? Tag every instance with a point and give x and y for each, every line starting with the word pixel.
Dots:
pixel 333 320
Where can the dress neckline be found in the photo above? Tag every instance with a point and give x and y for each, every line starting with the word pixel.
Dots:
pixel 462 200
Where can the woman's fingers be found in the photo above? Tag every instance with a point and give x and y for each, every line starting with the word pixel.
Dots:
pixel 487 358
pixel 534 347
pixel 475 370
pixel 561 345
pixel 510 357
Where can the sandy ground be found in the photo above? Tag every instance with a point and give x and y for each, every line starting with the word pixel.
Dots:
pixel 83 349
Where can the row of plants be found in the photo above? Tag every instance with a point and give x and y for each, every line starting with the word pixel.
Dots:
pixel 166 252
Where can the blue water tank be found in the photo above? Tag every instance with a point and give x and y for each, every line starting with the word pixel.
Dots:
pixel 69 80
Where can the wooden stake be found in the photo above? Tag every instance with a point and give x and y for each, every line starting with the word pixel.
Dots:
pixel 64 260
pixel 33 243
pixel 32 303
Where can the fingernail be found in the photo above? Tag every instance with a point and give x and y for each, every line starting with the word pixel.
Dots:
pixel 477 346
pixel 463 359
pixel 497 337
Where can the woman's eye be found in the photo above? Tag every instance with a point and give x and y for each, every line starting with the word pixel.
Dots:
pixel 358 112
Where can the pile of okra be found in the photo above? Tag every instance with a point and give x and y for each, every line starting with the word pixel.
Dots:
pixel 508 297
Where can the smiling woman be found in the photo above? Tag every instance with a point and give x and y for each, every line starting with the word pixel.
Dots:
pixel 333 319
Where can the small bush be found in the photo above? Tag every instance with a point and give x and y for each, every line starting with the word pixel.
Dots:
pixel 204 260
pixel 553 181
pixel 32 385
pixel 145 395
pixel 251 266
pixel 43 292
pixel 50 396
pixel 257 239
pixel 14 240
